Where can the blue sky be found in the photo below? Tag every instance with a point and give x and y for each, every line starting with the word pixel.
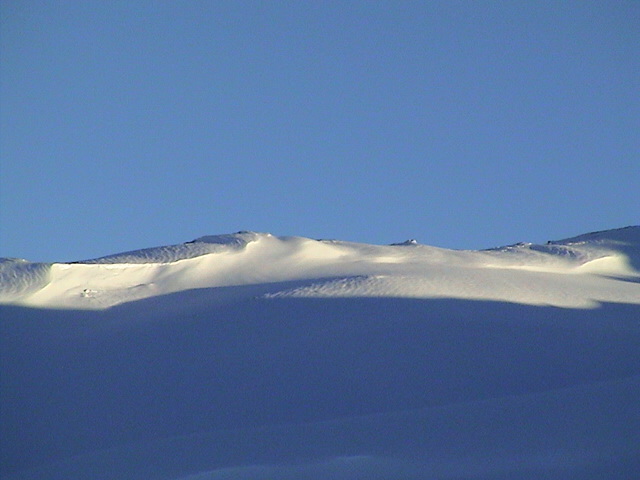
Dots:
pixel 126 125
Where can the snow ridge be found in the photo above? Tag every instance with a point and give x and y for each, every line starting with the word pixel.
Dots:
pixel 173 253
pixel 20 277
pixel 580 272
pixel 286 357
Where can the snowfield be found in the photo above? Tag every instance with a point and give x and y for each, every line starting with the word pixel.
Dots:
pixel 601 266
pixel 252 356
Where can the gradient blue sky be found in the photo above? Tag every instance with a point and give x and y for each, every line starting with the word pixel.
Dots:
pixel 131 124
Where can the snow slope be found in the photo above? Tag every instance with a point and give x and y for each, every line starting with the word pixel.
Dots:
pixel 251 356
pixel 600 266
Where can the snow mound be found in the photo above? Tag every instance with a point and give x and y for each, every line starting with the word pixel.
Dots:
pixel 19 278
pixel 173 253
pixel 607 252
pixel 255 356
pixel 627 236
pixel 580 272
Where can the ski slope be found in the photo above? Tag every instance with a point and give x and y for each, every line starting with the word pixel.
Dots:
pixel 253 356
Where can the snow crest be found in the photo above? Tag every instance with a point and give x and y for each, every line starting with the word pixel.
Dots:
pixel 580 272
pixel 173 253
pixel 292 358
pixel 19 278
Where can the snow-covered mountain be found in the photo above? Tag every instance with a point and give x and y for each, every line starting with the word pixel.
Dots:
pixel 255 356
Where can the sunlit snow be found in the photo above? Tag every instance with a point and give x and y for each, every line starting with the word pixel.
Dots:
pixel 600 271
pixel 253 356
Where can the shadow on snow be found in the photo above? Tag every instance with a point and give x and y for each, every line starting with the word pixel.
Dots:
pixel 319 388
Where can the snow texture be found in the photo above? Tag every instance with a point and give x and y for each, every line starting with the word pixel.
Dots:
pixel 252 356
pixel 602 267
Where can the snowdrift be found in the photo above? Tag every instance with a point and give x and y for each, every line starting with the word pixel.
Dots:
pixel 602 267
pixel 254 356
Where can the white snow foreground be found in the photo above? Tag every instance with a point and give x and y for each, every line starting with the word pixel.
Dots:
pixel 581 272
pixel 250 356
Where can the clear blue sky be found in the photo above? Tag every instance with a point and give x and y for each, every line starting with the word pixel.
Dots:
pixel 131 124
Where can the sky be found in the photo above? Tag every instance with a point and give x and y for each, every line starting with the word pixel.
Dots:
pixel 466 125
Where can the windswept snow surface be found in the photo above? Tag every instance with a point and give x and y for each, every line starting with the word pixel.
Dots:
pixel 579 272
pixel 251 356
